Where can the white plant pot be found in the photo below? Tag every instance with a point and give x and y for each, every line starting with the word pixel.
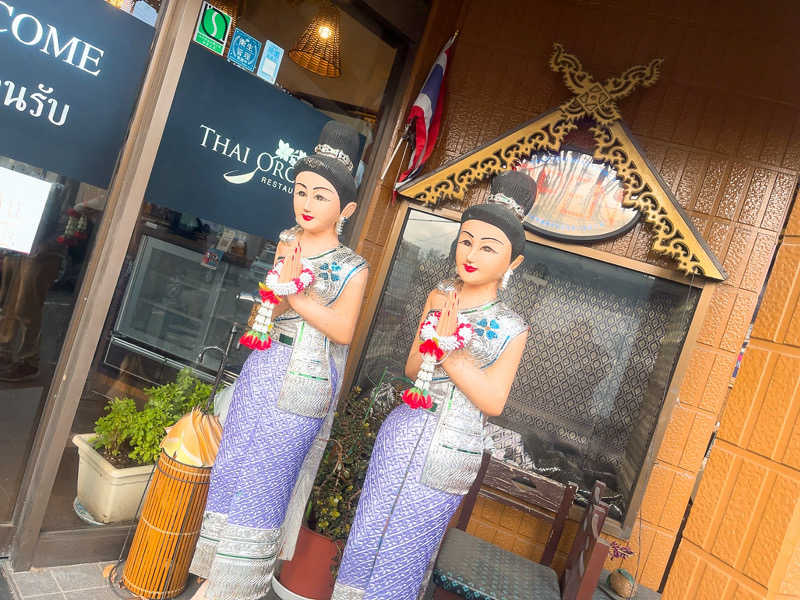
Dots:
pixel 285 593
pixel 109 494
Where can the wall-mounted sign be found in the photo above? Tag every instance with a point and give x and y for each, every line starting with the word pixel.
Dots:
pixel 244 50
pixel 213 27
pixel 270 62
pixel 22 202
pixel 577 198
pixel 229 147
pixel 70 73
pixel 144 12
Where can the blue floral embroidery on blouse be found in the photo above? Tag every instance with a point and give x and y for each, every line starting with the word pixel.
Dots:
pixel 487 328
pixel 330 271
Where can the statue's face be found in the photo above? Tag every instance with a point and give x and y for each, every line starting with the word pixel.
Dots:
pixel 483 253
pixel 316 202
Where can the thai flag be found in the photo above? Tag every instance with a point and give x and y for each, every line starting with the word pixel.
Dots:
pixel 425 116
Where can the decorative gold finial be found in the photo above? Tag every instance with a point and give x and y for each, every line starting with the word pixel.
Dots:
pixel 592 99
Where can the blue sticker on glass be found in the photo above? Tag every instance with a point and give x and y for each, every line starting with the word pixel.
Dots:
pixel 270 62
pixel 244 50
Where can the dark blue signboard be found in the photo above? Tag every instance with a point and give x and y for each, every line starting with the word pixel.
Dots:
pixel 70 73
pixel 230 145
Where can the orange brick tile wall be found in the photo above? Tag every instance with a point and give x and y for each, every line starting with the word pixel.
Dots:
pixel 743 535
pixel 722 126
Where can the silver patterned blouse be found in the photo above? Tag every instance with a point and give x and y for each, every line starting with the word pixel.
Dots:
pixel 307 389
pixel 456 450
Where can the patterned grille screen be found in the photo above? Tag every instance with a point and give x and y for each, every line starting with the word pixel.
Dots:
pixel 603 343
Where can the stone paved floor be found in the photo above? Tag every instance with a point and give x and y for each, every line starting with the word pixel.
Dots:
pixel 5 591
pixel 86 582
pixel 76 582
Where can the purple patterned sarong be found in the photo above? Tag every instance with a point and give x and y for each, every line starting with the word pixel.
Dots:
pixel 399 522
pixel 260 456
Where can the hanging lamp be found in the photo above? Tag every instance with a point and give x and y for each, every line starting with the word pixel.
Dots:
pixel 317 48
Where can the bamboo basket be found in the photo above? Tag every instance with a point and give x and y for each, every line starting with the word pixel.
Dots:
pixel 162 549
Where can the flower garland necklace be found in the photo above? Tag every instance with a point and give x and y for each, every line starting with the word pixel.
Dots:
pixel 258 337
pixel 432 348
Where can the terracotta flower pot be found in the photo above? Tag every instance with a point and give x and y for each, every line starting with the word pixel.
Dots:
pixel 308 574
pixel 622 583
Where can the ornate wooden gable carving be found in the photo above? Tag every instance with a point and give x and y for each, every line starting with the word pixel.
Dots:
pixel 675 236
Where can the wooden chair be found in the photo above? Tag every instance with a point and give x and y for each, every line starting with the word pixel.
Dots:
pixel 588 553
pixel 472 568
pixel 457 544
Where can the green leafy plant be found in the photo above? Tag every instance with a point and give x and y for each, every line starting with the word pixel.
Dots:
pixel 138 433
pixel 341 475
pixel 113 430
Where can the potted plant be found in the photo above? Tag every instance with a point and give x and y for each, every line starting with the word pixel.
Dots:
pixel 620 580
pixel 334 498
pixel 115 462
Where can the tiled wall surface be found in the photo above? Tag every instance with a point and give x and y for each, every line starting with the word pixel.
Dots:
pixel 722 127
pixel 743 536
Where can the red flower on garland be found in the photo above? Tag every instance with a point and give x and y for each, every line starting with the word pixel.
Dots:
pixel 267 295
pixel 416 398
pixel 431 347
pixel 255 341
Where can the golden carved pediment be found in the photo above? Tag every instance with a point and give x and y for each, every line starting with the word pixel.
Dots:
pixel 643 189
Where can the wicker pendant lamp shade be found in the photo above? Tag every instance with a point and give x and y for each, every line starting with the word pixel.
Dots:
pixel 317 48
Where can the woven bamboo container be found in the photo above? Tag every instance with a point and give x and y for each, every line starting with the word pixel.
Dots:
pixel 162 549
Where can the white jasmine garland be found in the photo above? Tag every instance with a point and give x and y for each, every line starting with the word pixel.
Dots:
pixel 448 343
pixel 296 285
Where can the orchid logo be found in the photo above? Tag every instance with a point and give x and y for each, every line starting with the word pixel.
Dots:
pixel 273 170
pixel 284 151
pixel 287 153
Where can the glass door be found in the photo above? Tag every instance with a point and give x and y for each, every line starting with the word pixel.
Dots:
pixel 55 170
pixel 40 270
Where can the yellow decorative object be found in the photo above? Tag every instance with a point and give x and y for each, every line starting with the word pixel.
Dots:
pixel 675 236
pixel 158 563
pixel 194 440
pixel 593 99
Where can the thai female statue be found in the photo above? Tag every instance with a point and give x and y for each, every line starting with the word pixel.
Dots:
pixel 284 399
pixel 428 450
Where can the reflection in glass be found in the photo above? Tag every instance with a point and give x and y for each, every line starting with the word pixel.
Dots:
pixel 177 294
pixel 175 305
pixel 603 344
pixel 46 232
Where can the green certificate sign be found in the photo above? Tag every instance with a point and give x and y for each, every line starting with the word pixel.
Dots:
pixel 213 27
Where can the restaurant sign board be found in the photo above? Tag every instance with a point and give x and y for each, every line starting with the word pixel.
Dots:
pixel 230 146
pixel 70 73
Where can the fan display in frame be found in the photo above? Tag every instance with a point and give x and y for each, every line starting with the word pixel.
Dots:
pixel 578 199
